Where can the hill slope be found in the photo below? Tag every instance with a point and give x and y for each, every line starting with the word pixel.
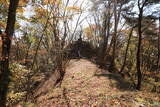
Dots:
pixel 85 85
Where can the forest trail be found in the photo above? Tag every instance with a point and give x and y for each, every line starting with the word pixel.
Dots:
pixel 85 85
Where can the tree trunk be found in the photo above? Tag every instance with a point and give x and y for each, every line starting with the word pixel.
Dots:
pixel 158 59
pixel 138 63
pixel 105 45
pixel 6 44
pixel 106 27
pixel 114 38
pixel 126 52
pixel 38 45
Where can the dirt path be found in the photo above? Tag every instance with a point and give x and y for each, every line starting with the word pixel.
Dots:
pixel 85 85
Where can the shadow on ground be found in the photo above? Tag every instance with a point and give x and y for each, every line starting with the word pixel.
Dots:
pixel 117 81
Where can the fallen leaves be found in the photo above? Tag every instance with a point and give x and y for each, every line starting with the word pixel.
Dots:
pixel 84 89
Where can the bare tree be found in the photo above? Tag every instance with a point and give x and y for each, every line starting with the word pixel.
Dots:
pixel 105 30
pixel 114 38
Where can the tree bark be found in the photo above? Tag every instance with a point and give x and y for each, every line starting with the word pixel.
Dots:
pixel 138 59
pixel 106 27
pixel 6 44
pixel 38 45
pixel 126 52
pixel 114 38
pixel 107 23
pixel 158 59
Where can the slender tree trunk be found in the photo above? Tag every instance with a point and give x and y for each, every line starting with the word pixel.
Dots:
pixel 158 59
pixel 6 44
pixel 105 40
pixel 126 52
pixel 38 45
pixel 116 18
pixel 138 63
pixel 103 33
pixel 107 27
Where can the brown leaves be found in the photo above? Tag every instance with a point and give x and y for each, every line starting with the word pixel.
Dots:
pixel 2 24
pixel 40 12
pixel 23 3
pixel 4 2
pixel 52 2
pixel 20 10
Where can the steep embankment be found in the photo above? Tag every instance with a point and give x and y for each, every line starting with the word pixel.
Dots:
pixel 85 85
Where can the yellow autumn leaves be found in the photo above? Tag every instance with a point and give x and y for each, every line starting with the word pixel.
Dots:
pixel 55 2
pixel 73 8
pixel 22 3
pixel 6 2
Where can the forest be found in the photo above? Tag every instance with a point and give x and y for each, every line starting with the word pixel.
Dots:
pixel 80 53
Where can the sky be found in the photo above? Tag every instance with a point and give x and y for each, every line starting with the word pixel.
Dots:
pixel 86 15
pixel 86 4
